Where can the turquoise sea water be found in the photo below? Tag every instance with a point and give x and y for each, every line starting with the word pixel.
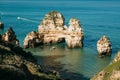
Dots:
pixel 97 18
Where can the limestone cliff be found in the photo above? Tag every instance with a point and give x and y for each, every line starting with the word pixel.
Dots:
pixel 104 46
pixel 111 72
pixel 53 30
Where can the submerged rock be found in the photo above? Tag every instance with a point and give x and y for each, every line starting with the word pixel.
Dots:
pixel 53 30
pixel 104 46
pixel 111 72
pixel 10 36
pixel 1 25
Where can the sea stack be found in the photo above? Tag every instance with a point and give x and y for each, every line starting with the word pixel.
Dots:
pixel 1 25
pixel 76 35
pixel 104 46
pixel 52 30
pixel 10 37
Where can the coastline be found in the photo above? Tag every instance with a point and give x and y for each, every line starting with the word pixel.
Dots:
pixel 97 18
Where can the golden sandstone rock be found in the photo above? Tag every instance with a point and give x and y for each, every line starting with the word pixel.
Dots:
pixel 104 46
pixel 10 37
pixel 53 30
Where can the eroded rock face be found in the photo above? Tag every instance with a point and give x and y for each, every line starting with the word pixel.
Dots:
pixel 53 38
pixel 104 46
pixel 33 39
pixel 1 25
pixel 52 21
pixel 54 31
pixel 74 26
pixel 74 41
pixel 75 38
pixel 10 37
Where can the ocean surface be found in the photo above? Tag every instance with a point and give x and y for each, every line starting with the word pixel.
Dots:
pixel 97 17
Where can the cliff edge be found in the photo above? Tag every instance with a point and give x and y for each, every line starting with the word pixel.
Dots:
pixel 16 64
pixel 111 72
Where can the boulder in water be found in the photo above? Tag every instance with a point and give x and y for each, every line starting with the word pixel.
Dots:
pixel 104 46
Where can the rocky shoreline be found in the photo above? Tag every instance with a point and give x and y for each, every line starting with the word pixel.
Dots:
pixel 16 64
pixel 111 72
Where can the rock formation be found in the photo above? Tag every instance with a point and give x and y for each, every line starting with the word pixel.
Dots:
pixel 1 25
pixel 33 39
pixel 111 72
pixel 104 46
pixel 52 21
pixel 10 37
pixel 75 38
pixel 53 30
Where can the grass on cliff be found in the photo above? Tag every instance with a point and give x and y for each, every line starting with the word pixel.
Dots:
pixel 110 68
